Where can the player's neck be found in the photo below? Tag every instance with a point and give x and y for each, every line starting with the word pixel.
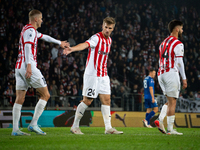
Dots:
pixel 174 34
pixel 33 24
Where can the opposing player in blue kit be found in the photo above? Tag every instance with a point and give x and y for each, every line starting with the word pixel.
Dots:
pixel 149 98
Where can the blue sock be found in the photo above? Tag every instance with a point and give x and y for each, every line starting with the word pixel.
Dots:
pixel 146 116
pixel 151 114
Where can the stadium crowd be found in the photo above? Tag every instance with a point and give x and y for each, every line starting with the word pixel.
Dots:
pixel 140 27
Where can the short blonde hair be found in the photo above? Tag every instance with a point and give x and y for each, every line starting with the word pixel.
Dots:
pixel 34 12
pixel 109 20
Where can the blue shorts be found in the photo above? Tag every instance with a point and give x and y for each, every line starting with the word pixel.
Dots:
pixel 148 103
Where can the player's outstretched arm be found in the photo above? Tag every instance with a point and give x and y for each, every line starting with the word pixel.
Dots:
pixel 49 39
pixel 78 47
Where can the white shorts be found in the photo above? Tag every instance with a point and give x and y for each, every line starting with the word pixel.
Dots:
pixel 93 86
pixel 36 80
pixel 170 83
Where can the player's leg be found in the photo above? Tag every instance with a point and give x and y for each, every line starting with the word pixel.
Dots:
pixel 163 112
pixel 39 108
pixel 38 82
pixel 16 113
pixel 79 114
pixel 172 92
pixel 159 123
pixel 104 95
pixel 147 113
pixel 147 105
pixel 146 121
pixel 90 91
pixel 105 110
pixel 21 88
pixel 171 113
pixel 171 116
pixel 152 113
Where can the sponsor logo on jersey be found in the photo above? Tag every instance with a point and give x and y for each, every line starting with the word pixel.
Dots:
pixel 103 53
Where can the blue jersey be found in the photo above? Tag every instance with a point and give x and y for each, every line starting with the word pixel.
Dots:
pixel 148 82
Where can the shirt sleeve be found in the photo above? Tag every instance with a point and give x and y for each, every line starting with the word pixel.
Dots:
pixel 29 36
pixel 92 41
pixel 39 35
pixel 49 39
pixel 151 83
pixel 181 67
pixel 27 53
pixel 179 50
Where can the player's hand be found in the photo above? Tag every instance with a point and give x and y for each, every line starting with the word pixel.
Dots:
pixel 67 50
pixel 185 84
pixel 153 100
pixel 28 71
pixel 64 44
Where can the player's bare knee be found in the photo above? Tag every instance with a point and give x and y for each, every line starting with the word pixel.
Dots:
pixel 106 102
pixel 45 96
pixel 87 101
pixel 155 109
pixel 148 110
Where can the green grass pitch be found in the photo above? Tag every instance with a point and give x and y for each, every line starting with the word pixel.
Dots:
pixel 60 138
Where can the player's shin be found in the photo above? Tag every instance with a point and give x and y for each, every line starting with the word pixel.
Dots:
pixel 170 122
pixel 163 113
pixel 39 108
pixel 151 114
pixel 16 116
pixel 79 114
pixel 105 110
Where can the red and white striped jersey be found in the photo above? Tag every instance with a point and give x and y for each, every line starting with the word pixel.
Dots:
pixel 31 36
pixel 99 48
pixel 169 50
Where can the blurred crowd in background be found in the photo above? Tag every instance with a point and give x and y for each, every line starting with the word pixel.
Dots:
pixel 140 27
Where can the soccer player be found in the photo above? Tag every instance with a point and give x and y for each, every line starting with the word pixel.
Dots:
pixel 171 53
pixel 96 81
pixel 149 99
pixel 27 74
